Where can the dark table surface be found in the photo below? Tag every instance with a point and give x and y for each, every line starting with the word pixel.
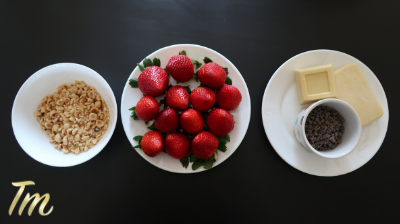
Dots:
pixel 254 185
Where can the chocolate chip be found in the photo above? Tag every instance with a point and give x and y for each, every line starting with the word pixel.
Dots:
pixel 324 128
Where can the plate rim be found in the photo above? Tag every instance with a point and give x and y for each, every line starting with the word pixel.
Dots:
pixel 26 82
pixel 274 76
pixel 220 55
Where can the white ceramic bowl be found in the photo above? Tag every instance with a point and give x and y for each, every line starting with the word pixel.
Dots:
pixel 352 128
pixel 33 140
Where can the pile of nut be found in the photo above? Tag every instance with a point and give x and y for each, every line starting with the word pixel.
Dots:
pixel 75 117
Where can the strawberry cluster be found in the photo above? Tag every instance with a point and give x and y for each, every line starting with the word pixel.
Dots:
pixel 193 123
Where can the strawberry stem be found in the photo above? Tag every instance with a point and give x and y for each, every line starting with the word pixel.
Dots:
pixel 207 60
pixel 138 139
pixel 134 83
pixel 133 115
pixel 197 64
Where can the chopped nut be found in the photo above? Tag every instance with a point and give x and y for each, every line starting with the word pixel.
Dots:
pixel 38 113
pixel 99 123
pixel 53 113
pixel 48 125
pixel 77 138
pixel 66 125
pixel 65 140
pixel 94 110
pixel 60 102
pixel 97 104
pixel 92 116
pixel 55 127
pixel 57 138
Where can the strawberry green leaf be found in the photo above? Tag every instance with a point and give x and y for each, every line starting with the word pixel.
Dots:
pixel 177 82
pixel 222 143
pixel 169 75
pixel 226 70
pixel 146 122
pixel 201 85
pixel 198 163
pixel 187 89
pixel 207 60
pixel 196 76
pixel 222 147
pixel 140 67
pixel 157 62
pixel 182 52
pixel 192 158
pixel 228 139
pixel 153 127
pixel 138 139
pixel 185 162
pixel 228 81
pixel 197 64
pixel 133 115
pixel 134 83
pixel 147 62
pixel 208 163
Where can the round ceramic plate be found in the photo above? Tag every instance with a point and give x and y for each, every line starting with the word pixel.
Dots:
pixel 131 96
pixel 281 105
pixel 33 140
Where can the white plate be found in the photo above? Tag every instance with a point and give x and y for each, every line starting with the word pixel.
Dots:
pixel 33 140
pixel 281 105
pixel 131 96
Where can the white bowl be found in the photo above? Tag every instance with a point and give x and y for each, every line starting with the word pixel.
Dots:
pixel 352 128
pixel 27 130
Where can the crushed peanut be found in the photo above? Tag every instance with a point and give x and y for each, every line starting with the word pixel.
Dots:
pixel 75 117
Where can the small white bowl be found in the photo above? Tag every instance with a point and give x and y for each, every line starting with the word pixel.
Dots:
pixel 352 128
pixel 27 130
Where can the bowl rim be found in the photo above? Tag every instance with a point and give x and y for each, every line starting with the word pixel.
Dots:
pixel 358 124
pixel 107 87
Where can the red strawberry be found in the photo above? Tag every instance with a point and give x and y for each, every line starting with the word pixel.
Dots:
pixel 212 75
pixel 180 67
pixel 204 145
pixel 147 108
pixel 229 97
pixel 177 98
pixel 153 81
pixel 220 122
pixel 191 121
pixel 152 143
pixel 177 145
pixel 202 98
pixel 167 120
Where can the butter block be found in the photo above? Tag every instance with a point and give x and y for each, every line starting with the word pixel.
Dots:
pixel 352 88
pixel 315 83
